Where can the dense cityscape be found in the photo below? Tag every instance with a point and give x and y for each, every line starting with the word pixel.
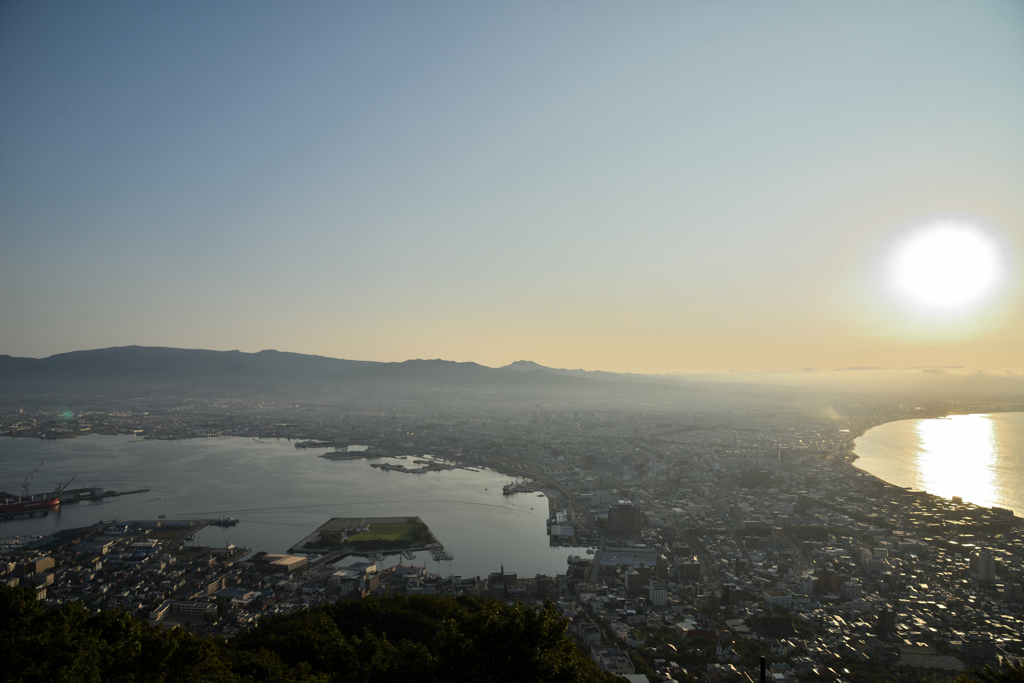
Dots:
pixel 702 536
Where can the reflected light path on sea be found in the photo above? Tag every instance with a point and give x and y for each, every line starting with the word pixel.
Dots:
pixel 979 458
pixel 956 456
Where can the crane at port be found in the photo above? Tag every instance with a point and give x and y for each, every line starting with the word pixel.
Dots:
pixel 64 486
pixel 24 487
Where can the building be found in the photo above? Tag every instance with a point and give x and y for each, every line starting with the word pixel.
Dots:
pixel 590 634
pixel 828 582
pixel 979 646
pixel 984 565
pixel 852 590
pixel 886 626
pixel 30 567
pixel 282 563
pixel 611 658
pixel 196 609
pixel 632 581
pixel 778 598
pixel 690 570
pixel 778 540
pixel 624 518
pixel 613 556
pixel 657 592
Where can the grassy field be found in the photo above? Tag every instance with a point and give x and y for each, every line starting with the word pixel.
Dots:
pixel 405 531
pixel 380 537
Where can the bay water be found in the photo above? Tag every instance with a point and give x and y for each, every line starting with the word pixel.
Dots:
pixel 281 493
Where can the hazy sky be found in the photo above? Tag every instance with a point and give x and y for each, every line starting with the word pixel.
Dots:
pixel 661 186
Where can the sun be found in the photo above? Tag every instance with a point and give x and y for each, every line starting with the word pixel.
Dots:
pixel 945 267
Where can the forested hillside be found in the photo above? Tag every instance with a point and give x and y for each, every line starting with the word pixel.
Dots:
pixel 419 639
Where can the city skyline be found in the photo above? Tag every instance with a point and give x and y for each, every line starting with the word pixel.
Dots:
pixel 650 189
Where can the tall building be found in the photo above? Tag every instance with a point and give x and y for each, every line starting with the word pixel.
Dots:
pixel 778 539
pixel 624 517
pixel 632 581
pixel 983 564
pixel 828 582
pixel 886 625
pixel 658 593
pixel 661 567
pixel 690 570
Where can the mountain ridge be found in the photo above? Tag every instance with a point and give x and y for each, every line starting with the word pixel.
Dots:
pixel 142 370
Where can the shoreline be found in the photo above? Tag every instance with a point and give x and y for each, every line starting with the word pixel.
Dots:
pixel 851 441
pixel 853 456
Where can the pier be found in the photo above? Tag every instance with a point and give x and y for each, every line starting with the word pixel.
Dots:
pixel 78 495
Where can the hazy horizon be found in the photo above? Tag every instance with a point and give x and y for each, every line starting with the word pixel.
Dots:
pixel 686 188
pixel 926 381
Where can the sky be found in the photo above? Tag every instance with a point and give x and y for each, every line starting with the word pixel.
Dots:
pixel 641 187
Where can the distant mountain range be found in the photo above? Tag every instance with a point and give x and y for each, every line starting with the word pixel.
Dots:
pixel 153 371
pixel 157 372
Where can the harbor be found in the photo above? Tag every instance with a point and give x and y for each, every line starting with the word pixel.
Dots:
pixel 280 494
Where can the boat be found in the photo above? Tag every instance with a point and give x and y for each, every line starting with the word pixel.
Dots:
pixel 224 521
pixel 15 506
pixel 27 502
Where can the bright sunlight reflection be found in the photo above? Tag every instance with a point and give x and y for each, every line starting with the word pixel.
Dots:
pixel 957 457
pixel 945 267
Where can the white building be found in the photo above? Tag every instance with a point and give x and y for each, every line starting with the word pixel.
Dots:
pixel 778 598
pixel 851 590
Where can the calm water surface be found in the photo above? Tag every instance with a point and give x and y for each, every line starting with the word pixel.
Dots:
pixel 281 493
pixel 977 457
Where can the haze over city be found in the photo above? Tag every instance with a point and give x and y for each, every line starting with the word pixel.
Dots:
pixel 663 188
pixel 567 342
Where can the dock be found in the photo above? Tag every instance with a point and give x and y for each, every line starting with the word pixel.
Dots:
pixel 78 495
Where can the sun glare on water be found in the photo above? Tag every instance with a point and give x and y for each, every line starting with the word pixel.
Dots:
pixel 946 267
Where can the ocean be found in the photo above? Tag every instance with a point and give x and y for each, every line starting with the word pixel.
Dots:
pixel 281 493
pixel 977 457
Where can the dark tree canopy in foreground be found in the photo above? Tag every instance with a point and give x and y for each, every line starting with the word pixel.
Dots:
pixel 376 639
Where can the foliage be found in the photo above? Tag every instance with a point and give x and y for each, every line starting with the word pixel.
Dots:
pixel 1007 674
pixel 376 639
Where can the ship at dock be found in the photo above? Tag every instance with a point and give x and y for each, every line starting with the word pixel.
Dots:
pixel 19 506
pixel 29 503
